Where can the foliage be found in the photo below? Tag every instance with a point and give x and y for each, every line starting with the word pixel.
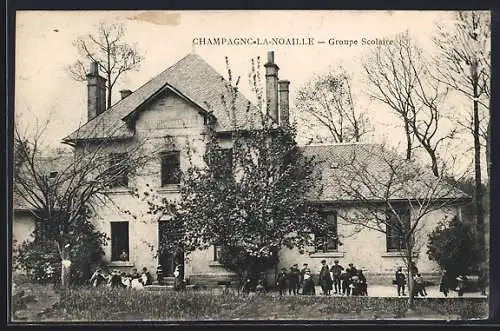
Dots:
pixel 454 247
pixel 105 304
pixel 40 255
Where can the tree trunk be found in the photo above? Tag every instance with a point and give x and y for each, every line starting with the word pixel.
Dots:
pixel 408 140
pixel 65 274
pixel 478 203
pixel 411 284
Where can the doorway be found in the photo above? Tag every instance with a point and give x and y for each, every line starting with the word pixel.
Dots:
pixel 170 254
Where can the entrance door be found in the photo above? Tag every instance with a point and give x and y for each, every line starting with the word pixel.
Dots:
pixel 169 256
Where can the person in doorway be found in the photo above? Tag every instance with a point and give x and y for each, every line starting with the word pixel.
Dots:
pixel 178 280
pixel 124 256
pixel 400 281
pixel 325 280
pixel 336 270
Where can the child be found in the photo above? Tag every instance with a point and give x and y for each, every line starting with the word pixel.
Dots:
pixel 345 280
pixel 308 286
pixel 419 285
pixel 146 277
pixel 97 278
pixel 281 281
pixel 400 281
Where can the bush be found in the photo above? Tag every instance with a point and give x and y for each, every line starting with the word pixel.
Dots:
pixel 41 260
pixel 454 247
pixel 101 304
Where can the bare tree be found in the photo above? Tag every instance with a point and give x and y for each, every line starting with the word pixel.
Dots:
pixel 393 196
pixel 400 77
pixel 61 190
pixel 107 47
pixel 329 100
pixel 464 65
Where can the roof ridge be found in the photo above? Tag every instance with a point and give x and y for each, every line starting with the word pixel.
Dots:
pixel 339 144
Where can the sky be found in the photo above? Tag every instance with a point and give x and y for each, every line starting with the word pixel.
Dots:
pixel 44 48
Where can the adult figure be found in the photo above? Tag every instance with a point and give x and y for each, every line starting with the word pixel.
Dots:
pixel 400 281
pixel 336 271
pixel 325 280
pixel 294 279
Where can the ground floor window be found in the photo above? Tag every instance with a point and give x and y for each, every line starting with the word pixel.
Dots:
pixel 397 220
pixel 119 241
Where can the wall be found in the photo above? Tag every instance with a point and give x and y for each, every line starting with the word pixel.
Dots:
pixel 367 249
pixel 23 225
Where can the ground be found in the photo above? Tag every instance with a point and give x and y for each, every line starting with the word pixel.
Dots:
pixel 85 304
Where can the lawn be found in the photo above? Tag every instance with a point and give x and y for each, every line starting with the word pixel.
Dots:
pixel 105 304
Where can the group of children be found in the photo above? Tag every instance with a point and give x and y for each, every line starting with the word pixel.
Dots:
pixel 346 282
pixel 418 280
pixel 122 280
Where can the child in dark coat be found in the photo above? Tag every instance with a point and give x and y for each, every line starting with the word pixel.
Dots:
pixel 281 282
pixel 308 285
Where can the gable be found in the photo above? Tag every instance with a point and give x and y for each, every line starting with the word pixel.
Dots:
pixel 167 114
pixel 192 78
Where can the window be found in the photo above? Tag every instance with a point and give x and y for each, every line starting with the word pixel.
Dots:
pixel 217 252
pixel 226 168
pixel 118 169
pixel 328 242
pixel 170 168
pixel 119 241
pixel 394 229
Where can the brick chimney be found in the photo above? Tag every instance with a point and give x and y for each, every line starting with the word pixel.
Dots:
pixel 96 87
pixel 272 87
pixel 284 93
pixel 125 93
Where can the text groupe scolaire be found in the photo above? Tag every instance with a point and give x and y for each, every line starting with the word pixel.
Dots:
pixel 290 41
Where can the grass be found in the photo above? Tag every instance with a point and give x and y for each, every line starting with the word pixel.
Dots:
pixel 105 304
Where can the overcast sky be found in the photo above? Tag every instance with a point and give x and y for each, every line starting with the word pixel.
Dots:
pixel 44 48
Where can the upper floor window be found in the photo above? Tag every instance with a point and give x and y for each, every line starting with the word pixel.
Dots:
pixel 170 168
pixel 118 169
pixel 396 223
pixel 328 241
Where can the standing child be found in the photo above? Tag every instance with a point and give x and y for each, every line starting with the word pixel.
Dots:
pixel 400 281
pixel 336 270
pixel 281 281
pixel 419 285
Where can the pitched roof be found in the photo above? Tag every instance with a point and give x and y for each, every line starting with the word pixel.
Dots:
pixel 351 171
pixel 195 80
